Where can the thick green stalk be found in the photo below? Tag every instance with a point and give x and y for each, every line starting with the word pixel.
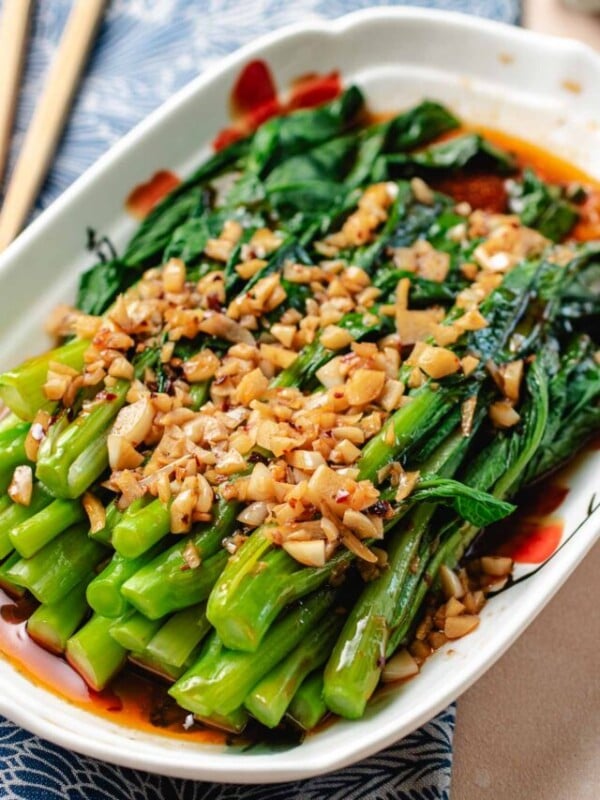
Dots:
pixel 59 566
pixel 222 679
pixel 410 587
pixel 409 424
pixel 353 670
pixel 140 528
pixel 113 516
pixel 21 389
pixel 74 454
pixel 52 624
pixel 500 467
pixel 6 584
pixel 256 585
pixel 168 584
pixel 179 636
pixel 95 655
pixel 5 502
pixel 104 592
pixel 174 588
pixel 159 668
pixel 9 421
pixel 36 531
pixel 133 631
pixel 354 667
pixel 12 452
pixel 16 515
pixel 417 587
pixel 233 722
pixel 241 569
pixel 270 698
pixel 308 707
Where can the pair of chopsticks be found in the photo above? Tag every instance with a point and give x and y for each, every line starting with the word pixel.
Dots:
pixel 53 106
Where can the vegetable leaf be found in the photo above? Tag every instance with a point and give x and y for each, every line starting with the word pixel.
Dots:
pixel 285 136
pixel 470 151
pixel 100 284
pixel 473 505
pixel 542 206
pixel 411 129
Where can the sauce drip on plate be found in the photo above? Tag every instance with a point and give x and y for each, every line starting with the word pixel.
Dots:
pixel 144 197
pixel 533 533
pixel 134 700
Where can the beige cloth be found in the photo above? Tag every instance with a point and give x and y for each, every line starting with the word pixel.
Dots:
pixel 530 728
pixel 551 16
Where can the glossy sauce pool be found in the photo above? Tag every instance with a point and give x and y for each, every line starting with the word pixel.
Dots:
pixel 138 701
pixel 134 700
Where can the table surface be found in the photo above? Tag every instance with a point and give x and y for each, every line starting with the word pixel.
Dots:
pixel 530 728
pixel 551 16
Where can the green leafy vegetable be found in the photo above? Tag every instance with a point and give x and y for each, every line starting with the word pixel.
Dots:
pixel 542 206
pixel 470 151
pixel 477 507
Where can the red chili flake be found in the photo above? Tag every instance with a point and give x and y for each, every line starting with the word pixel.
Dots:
pixel 213 302
pixel 254 99
pixel 254 88
pixel 261 114
pixel 313 90
pixel 226 137
pixel 342 496
pixel 110 396
pixel 142 199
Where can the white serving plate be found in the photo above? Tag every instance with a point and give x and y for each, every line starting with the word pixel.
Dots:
pixel 543 89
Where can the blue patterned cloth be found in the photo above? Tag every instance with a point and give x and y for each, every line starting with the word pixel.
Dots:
pixel 146 50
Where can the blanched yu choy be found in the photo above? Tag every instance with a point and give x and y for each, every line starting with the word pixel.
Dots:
pixel 272 426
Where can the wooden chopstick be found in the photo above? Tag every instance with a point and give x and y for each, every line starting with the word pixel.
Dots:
pixel 49 117
pixel 13 38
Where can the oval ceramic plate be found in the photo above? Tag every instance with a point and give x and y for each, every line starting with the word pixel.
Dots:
pixel 542 89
